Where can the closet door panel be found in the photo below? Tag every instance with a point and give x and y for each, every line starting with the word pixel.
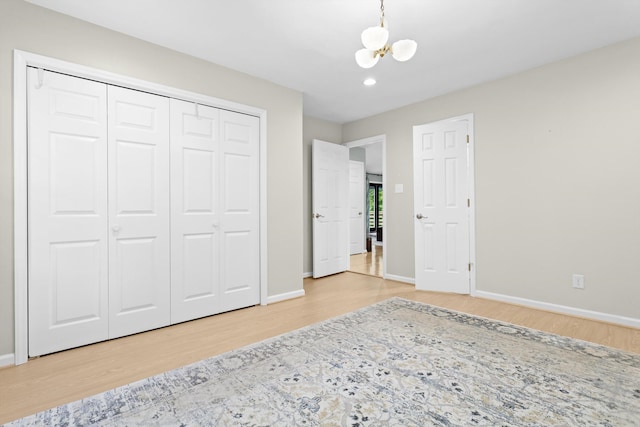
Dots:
pixel 195 219
pixel 139 288
pixel 240 215
pixel 67 194
pixel 199 270
pixel 199 181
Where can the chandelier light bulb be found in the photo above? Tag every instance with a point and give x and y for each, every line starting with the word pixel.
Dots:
pixel 366 58
pixel 374 38
pixel 403 50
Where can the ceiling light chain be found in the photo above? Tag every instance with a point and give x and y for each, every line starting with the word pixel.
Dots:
pixel 375 44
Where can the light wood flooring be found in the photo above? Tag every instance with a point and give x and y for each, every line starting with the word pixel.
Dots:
pixel 368 263
pixel 63 377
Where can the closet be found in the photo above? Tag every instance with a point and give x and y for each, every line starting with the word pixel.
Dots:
pixel 143 211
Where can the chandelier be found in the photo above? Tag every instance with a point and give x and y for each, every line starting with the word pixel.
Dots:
pixel 375 44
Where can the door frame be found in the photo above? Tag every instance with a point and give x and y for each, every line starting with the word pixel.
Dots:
pixel 472 193
pixel 22 60
pixel 382 139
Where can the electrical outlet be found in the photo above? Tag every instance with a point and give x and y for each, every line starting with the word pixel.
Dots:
pixel 577 281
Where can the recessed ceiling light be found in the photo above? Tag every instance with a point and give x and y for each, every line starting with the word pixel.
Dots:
pixel 369 82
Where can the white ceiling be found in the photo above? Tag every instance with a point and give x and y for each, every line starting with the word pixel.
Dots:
pixel 309 45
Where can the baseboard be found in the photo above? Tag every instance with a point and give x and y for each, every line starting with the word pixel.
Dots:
pixel 7 360
pixel 283 297
pixel 563 309
pixel 403 279
pixel 307 274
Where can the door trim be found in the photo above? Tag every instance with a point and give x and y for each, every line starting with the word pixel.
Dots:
pixel 370 141
pixel 472 208
pixel 22 60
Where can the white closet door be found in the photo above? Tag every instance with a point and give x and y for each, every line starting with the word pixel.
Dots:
pixel 68 282
pixel 239 210
pixel 139 270
pixel 195 219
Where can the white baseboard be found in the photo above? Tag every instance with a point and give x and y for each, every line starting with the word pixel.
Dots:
pixel 7 360
pixel 283 297
pixel 307 274
pixel 563 309
pixel 403 279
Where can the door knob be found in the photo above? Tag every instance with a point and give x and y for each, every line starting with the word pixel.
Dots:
pixel 419 216
pixel 115 229
pixel 317 215
pixel 360 213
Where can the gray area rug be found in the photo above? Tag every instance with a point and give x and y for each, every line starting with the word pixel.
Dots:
pixel 396 363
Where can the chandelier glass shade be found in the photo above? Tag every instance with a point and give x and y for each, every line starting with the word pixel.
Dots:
pixel 374 40
pixel 366 58
pixel 403 50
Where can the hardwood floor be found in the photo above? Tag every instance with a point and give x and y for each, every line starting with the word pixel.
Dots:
pixel 63 377
pixel 368 263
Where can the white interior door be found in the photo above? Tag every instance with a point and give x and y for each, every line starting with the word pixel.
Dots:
pixel 239 210
pixel 67 193
pixel 441 195
pixel 139 269
pixel 195 217
pixel 330 204
pixel 356 207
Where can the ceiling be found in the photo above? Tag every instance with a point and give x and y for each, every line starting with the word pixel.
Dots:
pixel 309 45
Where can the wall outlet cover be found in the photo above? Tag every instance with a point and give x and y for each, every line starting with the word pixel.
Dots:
pixel 577 281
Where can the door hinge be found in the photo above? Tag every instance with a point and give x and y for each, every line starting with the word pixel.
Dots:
pixel 469 266
pixel 467 139
pixel 468 203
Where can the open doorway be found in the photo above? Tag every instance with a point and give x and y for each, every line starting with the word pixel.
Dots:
pixel 375 209
pixel 370 261
pixel 371 152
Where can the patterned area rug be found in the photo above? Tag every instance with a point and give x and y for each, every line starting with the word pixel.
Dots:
pixel 396 363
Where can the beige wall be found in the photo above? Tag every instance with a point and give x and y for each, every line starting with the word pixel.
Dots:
pixel 326 131
pixel 557 179
pixel 37 30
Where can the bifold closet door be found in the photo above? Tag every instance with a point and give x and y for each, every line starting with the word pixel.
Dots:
pixel 215 239
pixel 195 219
pixel 98 194
pixel 239 210
pixel 139 239
pixel 143 211
pixel 67 197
